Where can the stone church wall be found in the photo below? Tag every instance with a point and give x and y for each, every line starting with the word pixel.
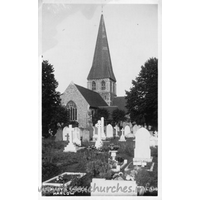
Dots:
pixel 72 94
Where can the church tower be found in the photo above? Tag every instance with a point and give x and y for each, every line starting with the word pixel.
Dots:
pixel 101 77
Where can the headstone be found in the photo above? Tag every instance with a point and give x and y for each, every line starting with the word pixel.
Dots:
pixel 70 146
pixel 116 131
pixel 85 135
pixel 153 141
pixel 99 143
pixel 65 133
pixel 95 133
pixel 156 134
pixel 109 131
pixel 103 136
pixel 142 152
pixel 122 138
pixel 59 135
pixel 127 130
pixel 76 136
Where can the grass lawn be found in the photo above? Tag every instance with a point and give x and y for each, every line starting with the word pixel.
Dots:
pixel 55 161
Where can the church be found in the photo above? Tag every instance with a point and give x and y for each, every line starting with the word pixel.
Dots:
pixel 101 91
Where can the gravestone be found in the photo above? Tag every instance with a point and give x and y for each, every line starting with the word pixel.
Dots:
pixel 116 131
pixel 85 135
pixel 153 141
pixel 103 136
pixel 65 133
pixel 70 146
pixel 127 131
pixel 142 152
pixel 99 143
pixel 76 136
pixel 59 135
pixel 156 134
pixel 95 133
pixel 109 131
pixel 122 138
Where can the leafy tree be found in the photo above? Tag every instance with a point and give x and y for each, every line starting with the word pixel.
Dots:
pixel 59 119
pixel 142 99
pixel 52 111
pixel 100 112
pixel 118 115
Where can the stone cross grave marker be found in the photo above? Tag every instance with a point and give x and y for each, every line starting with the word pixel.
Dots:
pixel 98 143
pixel 122 138
pixel 70 146
pixel 103 136
pixel 116 131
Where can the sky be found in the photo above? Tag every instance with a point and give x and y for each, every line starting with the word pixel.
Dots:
pixel 68 33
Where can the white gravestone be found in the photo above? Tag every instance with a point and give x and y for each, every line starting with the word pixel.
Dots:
pixel 116 131
pixel 153 141
pixel 65 133
pixel 156 134
pixel 128 133
pixel 99 143
pixel 122 138
pixel 109 131
pixel 127 130
pixel 103 136
pixel 76 136
pixel 95 133
pixel 70 146
pixel 142 151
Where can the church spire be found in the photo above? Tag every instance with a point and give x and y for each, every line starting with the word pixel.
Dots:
pixel 101 66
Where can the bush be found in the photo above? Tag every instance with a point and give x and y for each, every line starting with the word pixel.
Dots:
pixel 99 169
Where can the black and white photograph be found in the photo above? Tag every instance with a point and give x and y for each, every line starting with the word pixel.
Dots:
pixel 100 78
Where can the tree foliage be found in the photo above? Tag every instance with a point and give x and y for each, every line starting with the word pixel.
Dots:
pixel 100 112
pixel 118 115
pixel 52 111
pixel 142 99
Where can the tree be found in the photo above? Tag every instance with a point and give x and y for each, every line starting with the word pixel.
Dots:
pixel 100 112
pixel 52 112
pixel 118 115
pixel 142 99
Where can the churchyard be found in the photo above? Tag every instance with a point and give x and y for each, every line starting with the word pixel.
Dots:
pixel 76 160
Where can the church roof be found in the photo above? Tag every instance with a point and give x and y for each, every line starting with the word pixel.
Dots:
pixel 101 66
pixel 118 103
pixel 94 99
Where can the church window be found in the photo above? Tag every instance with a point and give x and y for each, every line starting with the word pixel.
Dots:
pixel 103 85
pixel 93 85
pixel 72 111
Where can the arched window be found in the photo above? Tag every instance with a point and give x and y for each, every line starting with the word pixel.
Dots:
pixel 93 85
pixel 72 111
pixel 103 85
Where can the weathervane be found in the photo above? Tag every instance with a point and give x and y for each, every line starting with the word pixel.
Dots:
pixel 102 8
